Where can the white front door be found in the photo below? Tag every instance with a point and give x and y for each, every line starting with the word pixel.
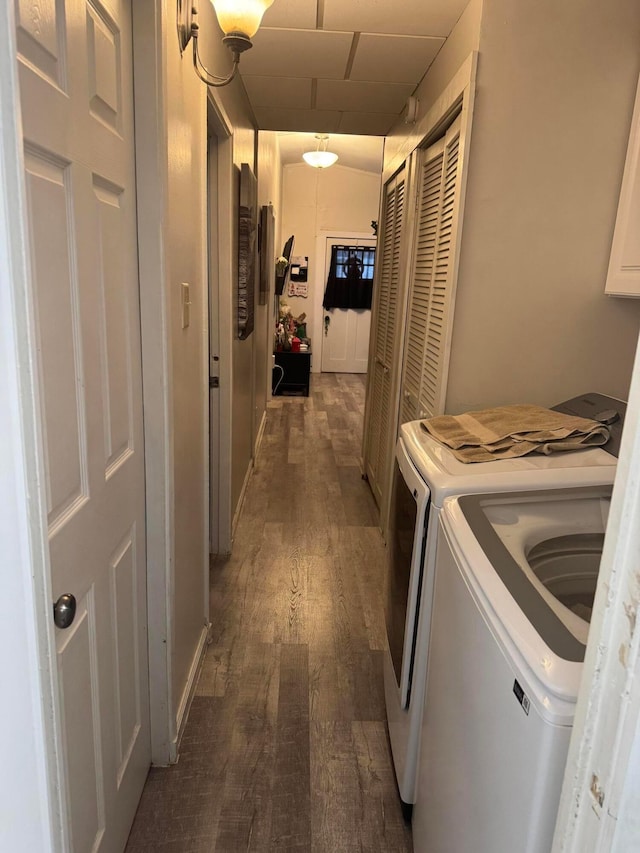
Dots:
pixel 345 332
pixel 76 88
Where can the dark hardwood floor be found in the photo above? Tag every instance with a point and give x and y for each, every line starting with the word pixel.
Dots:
pixel 286 747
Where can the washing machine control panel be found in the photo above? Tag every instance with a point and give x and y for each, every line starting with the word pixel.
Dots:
pixel 599 407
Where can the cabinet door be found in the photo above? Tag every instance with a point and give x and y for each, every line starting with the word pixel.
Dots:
pixel 377 441
pixel 623 276
pixel 433 279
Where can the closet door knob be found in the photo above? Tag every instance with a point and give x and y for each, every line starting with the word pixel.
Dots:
pixel 64 610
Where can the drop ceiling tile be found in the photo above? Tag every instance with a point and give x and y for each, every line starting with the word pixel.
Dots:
pixel 292 53
pixel 276 91
pixel 394 59
pixel 367 124
pixel 408 17
pixel 300 14
pixel 311 121
pixel 356 96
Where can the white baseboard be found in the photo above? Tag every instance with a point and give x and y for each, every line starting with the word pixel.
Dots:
pixel 260 434
pixel 243 494
pixel 189 690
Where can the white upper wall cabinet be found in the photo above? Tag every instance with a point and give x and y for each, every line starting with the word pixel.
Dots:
pixel 623 277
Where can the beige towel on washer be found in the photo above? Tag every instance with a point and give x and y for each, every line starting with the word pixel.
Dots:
pixel 509 431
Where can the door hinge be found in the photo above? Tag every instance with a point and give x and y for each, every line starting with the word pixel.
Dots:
pixel 214 382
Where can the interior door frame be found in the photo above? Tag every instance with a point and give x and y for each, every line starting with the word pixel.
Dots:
pixel 319 284
pixel 220 269
pixel 149 36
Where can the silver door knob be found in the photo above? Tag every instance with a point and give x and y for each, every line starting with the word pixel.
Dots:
pixel 64 610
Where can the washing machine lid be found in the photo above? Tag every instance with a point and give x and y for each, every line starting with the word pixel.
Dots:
pixel 447 476
pixel 493 537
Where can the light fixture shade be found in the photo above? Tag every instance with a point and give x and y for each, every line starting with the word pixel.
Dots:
pixel 240 16
pixel 320 159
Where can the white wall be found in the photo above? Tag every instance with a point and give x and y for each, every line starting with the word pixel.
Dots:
pixel 553 105
pixel 316 200
pixel 554 100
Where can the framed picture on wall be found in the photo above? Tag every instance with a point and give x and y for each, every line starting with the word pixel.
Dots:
pixel 247 250
pixel 266 249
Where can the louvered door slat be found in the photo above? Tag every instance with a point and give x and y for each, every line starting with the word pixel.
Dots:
pixel 378 409
pixel 430 185
pixel 439 320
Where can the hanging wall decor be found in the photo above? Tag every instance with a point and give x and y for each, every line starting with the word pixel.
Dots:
pixel 282 266
pixel 298 274
pixel 266 248
pixel 247 250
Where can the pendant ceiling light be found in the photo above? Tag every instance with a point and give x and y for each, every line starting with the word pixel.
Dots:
pixel 239 21
pixel 320 158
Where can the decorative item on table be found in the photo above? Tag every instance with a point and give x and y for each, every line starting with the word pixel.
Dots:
pixel 301 326
pixel 287 327
pixel 295 344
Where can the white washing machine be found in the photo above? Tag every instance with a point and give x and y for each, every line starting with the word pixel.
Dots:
pixel 515 579
pixel 425 474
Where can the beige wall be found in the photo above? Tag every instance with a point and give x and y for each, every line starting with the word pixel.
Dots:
pixel 553 102
pixel 184 245
pixel 235 104
pixel 553 107
pixel 183 224
pixel 463 40
pixel 316 200
pixel 243 358
pixel 269 192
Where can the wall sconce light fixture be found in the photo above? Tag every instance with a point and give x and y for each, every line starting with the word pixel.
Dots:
pixel 239 21
pixel 320 158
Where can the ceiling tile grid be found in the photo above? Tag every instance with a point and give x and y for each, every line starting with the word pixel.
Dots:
pixel 298 53
pixel 347 65
pixel 358 96
pixel 276 92
pixel 296 14
pixel 321 121
pixel 393 59
pixel 408 17
pixel 367 124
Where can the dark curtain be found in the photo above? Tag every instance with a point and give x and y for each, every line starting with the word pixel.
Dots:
pixel 350 280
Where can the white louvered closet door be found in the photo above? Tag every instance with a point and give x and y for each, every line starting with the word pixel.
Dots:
pixel 432 292
pixel 376 451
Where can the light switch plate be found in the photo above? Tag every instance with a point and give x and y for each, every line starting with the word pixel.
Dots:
pixel 186 305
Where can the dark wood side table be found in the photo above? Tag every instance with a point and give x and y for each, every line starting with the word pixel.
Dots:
pixel 297 368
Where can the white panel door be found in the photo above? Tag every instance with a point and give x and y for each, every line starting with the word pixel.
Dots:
pixel 76 92
pixel 345 337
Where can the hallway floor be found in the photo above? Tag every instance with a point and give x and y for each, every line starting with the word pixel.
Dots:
pixel 286 745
